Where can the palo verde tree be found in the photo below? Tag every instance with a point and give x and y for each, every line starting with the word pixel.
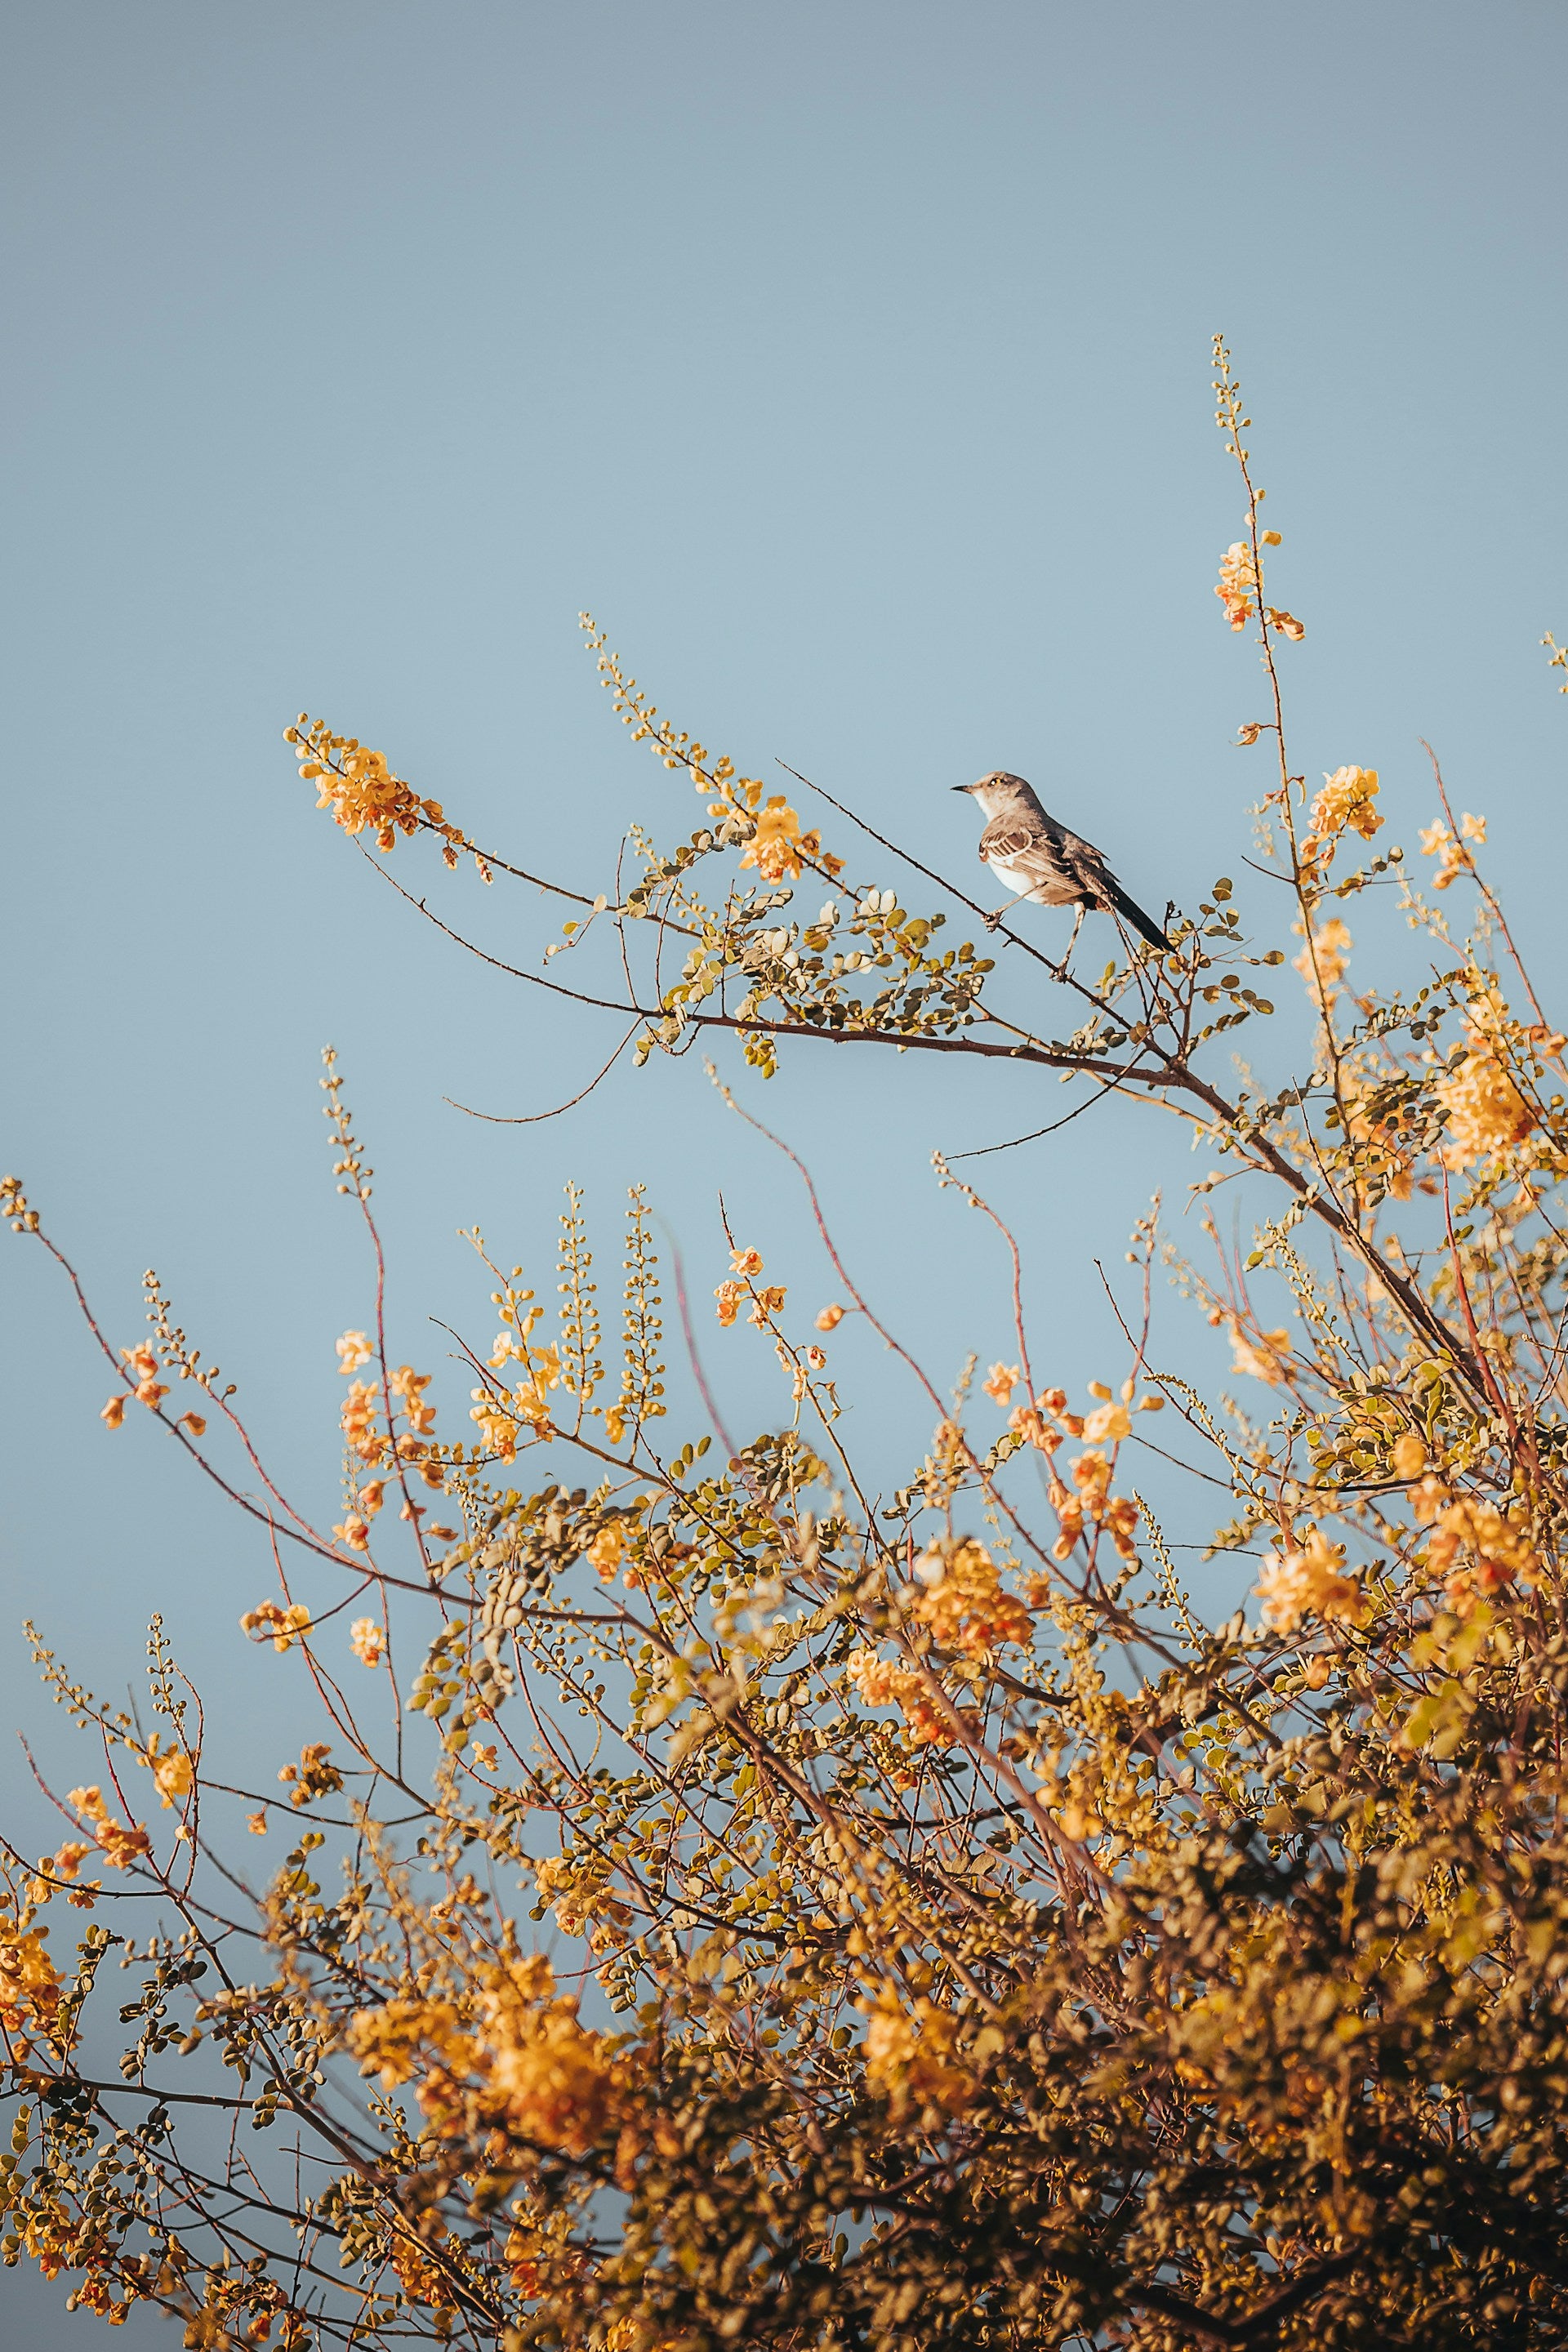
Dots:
pixel 956 1942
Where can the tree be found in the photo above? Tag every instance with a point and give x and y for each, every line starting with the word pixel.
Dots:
pixel 979 1950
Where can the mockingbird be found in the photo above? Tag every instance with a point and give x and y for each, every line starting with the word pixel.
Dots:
pixel 1038 859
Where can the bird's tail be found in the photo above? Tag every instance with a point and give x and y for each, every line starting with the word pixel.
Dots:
pixel 1131 912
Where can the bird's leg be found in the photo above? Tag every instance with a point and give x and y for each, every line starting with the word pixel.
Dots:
pixel 1077 927
pixel 1017 900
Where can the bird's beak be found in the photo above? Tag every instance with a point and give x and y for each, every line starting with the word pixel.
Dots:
pixel 963 787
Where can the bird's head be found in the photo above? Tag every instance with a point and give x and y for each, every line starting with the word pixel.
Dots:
pixel 997 793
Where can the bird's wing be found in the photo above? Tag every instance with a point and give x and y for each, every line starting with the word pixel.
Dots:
pixel 1083 854
pixel 1100 884
pixel 1006 837
pixel 1090 867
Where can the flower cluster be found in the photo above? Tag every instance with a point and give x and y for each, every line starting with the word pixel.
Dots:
pixel 172 1773
pixel 30 1987
pixel 1032 1423
pixel 578 1889
pixel 142 1369
pixel 283 1627
pixel 1321 962
pixel 778 847
pixel 424 2280
pixel 1261 1358
pixel 1346 799
pixel 120 1846
pixel 914 2059
pixel 361 1412
pixel 368 1639
pixel 766 1302
pixel 502 1417
pixel 963 1604
pixel 607 1551
pixel 1498 1545
pixel 1439 841
pixel 511 2058
pixel 362 791
pixel 1308 1580
pixel 63 1866
pixel 1238 588
pixel 313 1776
pixel 1118 1515
pixel 879 1683
pixel 1488 1115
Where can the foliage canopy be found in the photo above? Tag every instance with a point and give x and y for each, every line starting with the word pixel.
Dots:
pixel 956 1943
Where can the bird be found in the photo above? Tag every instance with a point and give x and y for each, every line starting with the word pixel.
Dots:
pixel 1040 860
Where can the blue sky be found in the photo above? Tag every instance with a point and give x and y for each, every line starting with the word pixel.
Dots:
pixel 850 362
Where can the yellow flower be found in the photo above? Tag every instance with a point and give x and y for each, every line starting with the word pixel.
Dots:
pixel 284 1626
pixel 830 1317
pixel 1488 1115
pixel 314 1775
pixel 113 1412
pixel 358 1420
pixel 778 845
pixel 171 1775
pixel 1322 965
pixel 1108 1424
pixel 353 1532
pixel 30 1987
pixel 389 2041
pixel 1000 1382
pixel 729 1295
pixel 1448 848
pixel 257 1824
pixel 1238 583
pixel 1347 799
pixel 368 1639
pixel 879 1682
pixel 528 1399
pixel 1309 1582
pixel 746 1261
pixel 497 1428
pixel 912 2057
pixel 122 1846
pixel 196 1423
pixel 1262 1362
pixel 553 2075
pixel 607 1551
pixel 1409 1455
pixel 767 1302
pixel 876 1679
pixel 964 1604
pixel 354 1349
pixel 1500 1546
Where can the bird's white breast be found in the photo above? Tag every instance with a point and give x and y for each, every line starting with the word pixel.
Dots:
pixel 1017 875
